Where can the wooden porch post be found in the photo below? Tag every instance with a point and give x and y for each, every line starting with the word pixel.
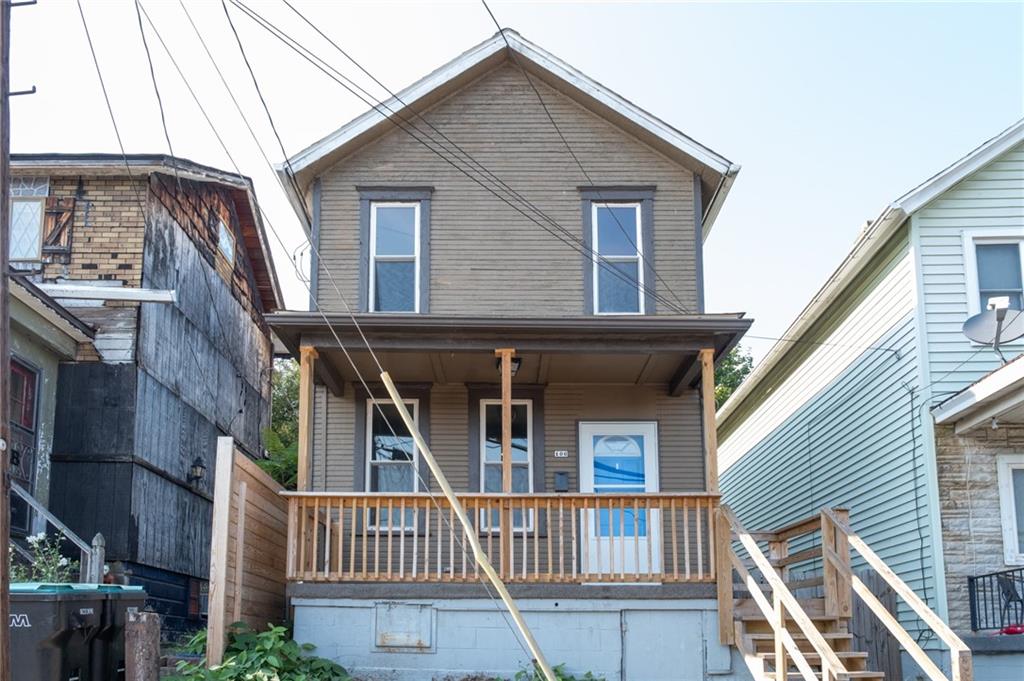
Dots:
pixel 506 355
pixel 307 358
pixel 707 385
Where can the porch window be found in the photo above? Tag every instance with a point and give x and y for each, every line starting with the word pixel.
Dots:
pixel 392 453
pixel 28 210
pixel 1010 473
pixel 618 277
pixel 394 256
pixel 522 451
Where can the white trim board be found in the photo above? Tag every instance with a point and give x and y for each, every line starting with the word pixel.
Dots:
pixel 998 392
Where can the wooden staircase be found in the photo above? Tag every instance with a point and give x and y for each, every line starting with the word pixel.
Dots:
pixel 783 636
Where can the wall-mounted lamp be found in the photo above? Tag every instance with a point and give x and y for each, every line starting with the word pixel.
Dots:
pixel 516 363
pixel 197 471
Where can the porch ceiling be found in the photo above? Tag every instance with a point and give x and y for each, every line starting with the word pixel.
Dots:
pixel 428 348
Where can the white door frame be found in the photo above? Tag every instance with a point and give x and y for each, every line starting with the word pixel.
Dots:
pixel 599 556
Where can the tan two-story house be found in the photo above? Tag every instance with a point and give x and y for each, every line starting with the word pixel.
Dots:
pixel 453 223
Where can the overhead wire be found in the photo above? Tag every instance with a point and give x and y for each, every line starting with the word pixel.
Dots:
pixel 377 403
pixel 553 227
pixel 575 157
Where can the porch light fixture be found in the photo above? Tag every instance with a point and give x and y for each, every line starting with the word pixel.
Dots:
pixel 197 471
pixel 516 363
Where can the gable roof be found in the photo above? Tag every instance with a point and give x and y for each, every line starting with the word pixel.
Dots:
pixel 868 244
pixel 717 173
pixel 254 236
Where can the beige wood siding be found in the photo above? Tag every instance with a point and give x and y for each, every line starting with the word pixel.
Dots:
pixel 485 258
pixel 679 431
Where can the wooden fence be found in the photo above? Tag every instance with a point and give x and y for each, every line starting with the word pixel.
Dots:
pixel 248 548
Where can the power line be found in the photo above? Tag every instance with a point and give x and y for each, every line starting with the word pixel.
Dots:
pixel 575 157
pixel 564 235
pixel 376 403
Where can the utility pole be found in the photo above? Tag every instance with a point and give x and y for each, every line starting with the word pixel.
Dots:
pixel 5 351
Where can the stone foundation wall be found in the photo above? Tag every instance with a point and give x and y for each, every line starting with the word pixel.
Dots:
pixel 972 534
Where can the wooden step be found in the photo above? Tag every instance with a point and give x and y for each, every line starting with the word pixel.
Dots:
pixel 839 641
pixel 853 660
pixel 871 676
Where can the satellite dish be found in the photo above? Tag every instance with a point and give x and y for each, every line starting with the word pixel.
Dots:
pixel 994 327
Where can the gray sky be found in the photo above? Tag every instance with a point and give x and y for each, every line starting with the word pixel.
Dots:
pixel 832 109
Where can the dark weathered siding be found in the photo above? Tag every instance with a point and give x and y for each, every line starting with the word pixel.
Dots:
pixel 485 258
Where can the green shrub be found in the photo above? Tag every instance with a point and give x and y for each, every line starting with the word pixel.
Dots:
pixel 535 674
pixel 259 656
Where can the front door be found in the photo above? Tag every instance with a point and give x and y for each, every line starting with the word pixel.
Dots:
pixel 621 458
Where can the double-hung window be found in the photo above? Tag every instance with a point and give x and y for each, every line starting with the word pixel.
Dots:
pixel 522 452
pixel 392 455
pixel 994 260
pixel 28 210
pixel 394 256
pixel 618 272
pixel 1010 474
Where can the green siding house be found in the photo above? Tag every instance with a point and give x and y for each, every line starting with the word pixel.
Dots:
pixel 839 413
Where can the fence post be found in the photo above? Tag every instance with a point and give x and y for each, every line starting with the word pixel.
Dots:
pixel 223 485
pixel 723 562
pixel 830 575
pixel 844 583
pixel 97 559
pixel 142 646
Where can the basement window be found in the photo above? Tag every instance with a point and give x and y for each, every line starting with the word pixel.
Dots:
pixel 225 241
pixel 28 210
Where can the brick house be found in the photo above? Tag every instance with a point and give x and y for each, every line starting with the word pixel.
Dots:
pixel 166 263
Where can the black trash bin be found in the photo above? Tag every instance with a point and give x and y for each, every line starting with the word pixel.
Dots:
pixel 108 644
pixel 51 628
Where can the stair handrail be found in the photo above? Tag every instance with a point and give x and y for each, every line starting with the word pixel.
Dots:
pixel 832 667
pixel 93 558
pixel 960 653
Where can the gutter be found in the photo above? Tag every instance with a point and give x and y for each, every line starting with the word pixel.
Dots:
pixel 718 199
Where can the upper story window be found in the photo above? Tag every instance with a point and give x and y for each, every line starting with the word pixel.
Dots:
pixel 28 210
pixel 993 260
pixel 394 256
pixel 1010 473
pixel 226 241
pixel 618 274
pixel 618 278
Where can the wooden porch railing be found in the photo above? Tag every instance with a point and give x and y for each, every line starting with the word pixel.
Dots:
pixel 554 538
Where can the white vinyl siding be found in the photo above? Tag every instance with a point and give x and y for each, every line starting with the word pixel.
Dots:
pixel 987 205
pixel 840 427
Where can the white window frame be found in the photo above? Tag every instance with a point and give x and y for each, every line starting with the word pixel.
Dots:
pixel 221 225
pixel 374 258
pixel 973 237
pixel 597 256
pixel 42 224
pixel 485 521
pixel 1013 553
pixel 413 404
